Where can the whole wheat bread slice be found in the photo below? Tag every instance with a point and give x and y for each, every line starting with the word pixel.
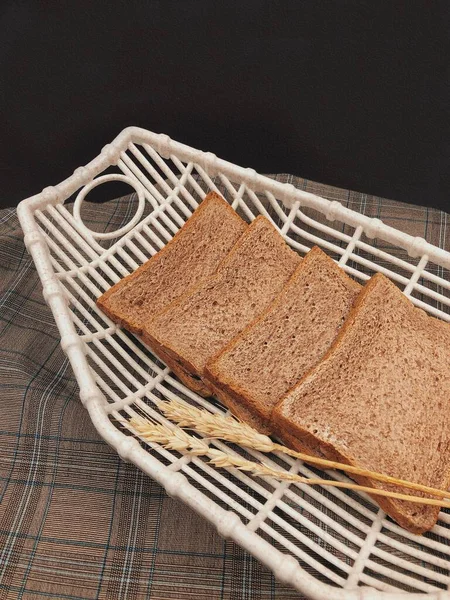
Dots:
pixel 289 338
pixel 191 256
pixel 197 325
pixel 380 399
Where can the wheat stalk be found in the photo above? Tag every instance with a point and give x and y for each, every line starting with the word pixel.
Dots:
pixel 179 440
pixel 228 428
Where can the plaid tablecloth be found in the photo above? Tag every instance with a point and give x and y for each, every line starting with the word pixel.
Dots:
pixel 75 521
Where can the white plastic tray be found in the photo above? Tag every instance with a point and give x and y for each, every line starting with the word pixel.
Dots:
pixel 326 543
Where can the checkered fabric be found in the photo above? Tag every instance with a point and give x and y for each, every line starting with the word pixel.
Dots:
pixel 75 521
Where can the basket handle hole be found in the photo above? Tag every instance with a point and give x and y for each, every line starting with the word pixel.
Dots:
pixel 96 191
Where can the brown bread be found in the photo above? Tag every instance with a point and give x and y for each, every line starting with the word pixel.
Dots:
pixel 191 256
pixel 275 351
pixel 380 399
pixel 197 325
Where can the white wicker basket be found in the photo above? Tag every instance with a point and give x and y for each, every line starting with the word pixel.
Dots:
pixel 326 543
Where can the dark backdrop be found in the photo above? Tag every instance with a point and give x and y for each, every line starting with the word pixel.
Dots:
pixel 351 93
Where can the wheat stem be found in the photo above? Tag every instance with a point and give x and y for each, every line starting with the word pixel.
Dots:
pixel 231 430
pixel 179 440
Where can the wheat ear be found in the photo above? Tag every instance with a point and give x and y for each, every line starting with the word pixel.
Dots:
pixel 177 439
pixel 228 428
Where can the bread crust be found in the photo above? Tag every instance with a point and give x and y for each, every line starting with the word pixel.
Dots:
pixel 240 411
pixel 197 385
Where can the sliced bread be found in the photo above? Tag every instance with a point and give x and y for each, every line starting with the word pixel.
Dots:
pixel 380 399
pixel 197 325
pixel 191 256
pixel 289 338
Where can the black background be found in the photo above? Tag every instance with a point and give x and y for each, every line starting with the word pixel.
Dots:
pixel 355 94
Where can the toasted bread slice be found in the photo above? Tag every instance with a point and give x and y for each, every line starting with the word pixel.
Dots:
pixel 191 256
pixel 197 325
pixel 289 338
pixel 380 399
